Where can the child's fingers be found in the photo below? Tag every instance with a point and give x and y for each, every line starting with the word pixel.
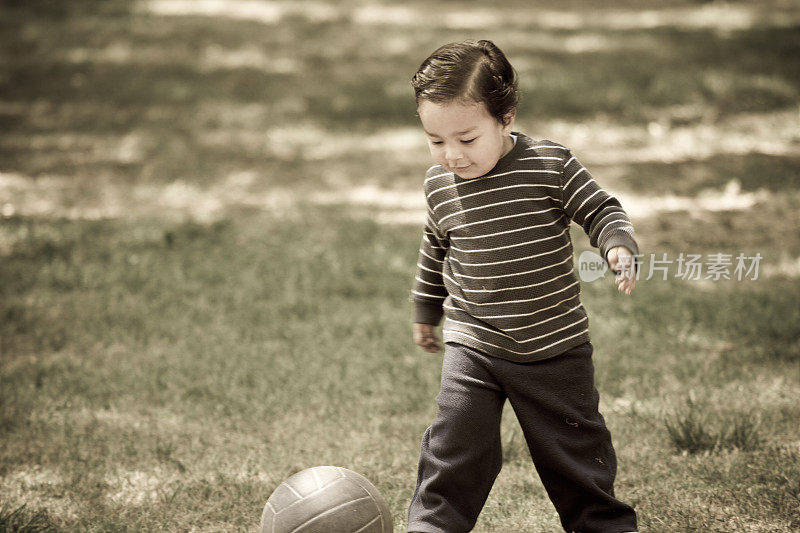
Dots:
pixel 622 264
pixel 625 284
pixel 625 277
pixel 431 344
pixel 426 339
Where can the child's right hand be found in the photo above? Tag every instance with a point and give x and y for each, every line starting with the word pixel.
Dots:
pixel 425 337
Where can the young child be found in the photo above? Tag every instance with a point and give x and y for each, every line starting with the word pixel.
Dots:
pixel 496 261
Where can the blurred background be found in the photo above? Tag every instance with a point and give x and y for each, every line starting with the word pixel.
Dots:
pixel 209 220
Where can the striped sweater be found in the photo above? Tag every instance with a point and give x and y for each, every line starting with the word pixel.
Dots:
pixel 496 256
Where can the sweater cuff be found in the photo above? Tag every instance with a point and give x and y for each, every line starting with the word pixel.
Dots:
pixel 427 312
pixel 620 239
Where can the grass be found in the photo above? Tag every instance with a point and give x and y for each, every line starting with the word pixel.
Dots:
pixel 187 368
pixel 695 430
pixel 163 327
pixel 753 172
pixel 138 74
pixel 22 520
pixel 164 367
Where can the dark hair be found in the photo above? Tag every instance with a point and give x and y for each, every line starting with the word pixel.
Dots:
pixel 469 70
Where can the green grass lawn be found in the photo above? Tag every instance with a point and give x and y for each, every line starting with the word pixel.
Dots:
pixel 182 326
pixel 169 376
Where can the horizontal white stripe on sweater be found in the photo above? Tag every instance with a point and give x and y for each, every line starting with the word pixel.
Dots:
pixel 547 319
pixel 568 311
pixel 566 185
pixel 568 258
pixel 431 258
pixel 576 192
pixel 489 176
pixel 425 295
pixel 487 206
pixel 547 146
pixel 490 191
pixel 622 221
pixel 519 315
pixel 526 300
pixel 615 208
pixel 575 214
pixel 543 348
pixel 618 212
pixel 518 341
pixel 421 266
pixel 453 258
pixel 524 228
pixel 431 245
pixel 550 280
pixel 541 157
pixel 428 282
pixel 436 176
pixel 460 226
pixel 556 236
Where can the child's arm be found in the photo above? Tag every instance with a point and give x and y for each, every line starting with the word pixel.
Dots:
pixel 429 290
pixel 603 220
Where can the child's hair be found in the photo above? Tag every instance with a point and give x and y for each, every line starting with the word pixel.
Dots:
pixel 472 71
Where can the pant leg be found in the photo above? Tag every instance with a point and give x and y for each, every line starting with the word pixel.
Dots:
pixel 556 403
pixel 461 451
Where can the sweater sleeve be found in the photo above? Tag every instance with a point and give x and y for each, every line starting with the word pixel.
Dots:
pixel 599 213
pixel 429 292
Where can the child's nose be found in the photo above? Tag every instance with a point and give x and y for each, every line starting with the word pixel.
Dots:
pixel 453 155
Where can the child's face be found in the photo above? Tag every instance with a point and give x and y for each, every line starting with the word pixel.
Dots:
pixel 463 137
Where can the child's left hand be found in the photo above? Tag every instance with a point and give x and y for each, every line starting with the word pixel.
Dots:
pixel 621 262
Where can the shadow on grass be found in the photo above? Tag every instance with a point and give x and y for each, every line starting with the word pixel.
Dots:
pixel 753 172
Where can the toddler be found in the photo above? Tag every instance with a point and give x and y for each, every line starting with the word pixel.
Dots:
pixel 497 261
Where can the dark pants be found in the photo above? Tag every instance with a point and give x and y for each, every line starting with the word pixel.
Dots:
pixel 555 401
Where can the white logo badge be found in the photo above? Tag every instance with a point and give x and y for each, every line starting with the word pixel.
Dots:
pixel 591 266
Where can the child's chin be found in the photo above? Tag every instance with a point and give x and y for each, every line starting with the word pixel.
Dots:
pixel 469 173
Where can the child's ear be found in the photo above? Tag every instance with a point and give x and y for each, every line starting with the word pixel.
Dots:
pixel 508 121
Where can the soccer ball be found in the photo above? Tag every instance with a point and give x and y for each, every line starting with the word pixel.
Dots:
pixel 326 499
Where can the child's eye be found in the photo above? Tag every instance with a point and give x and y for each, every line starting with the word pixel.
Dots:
pixel 436 142
pixel 468 141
